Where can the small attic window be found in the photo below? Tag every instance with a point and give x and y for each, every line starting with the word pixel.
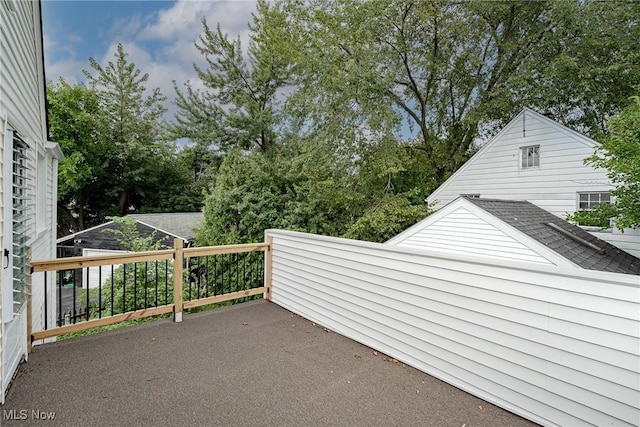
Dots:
pixel 530 156
pixel 472 196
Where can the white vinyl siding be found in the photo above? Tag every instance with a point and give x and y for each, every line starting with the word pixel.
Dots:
pixel 557 346
pixel 22 108
pixel 495 172
pixel 21 94
pixel 627 239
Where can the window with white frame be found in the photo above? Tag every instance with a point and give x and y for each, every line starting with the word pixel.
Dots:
pixel 589 200
pixel 530 156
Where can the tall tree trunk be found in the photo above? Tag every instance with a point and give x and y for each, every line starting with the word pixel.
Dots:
pixel 122 202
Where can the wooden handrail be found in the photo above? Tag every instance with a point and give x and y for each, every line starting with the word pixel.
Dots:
pixel 97 260
pixel 71 263
pixel 227 249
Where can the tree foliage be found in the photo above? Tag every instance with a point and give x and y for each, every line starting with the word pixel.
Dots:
pixel 238 106
pixel 74 114
pixel 116 155
pixel 591 65
pixel 442 69
pixel 130 121
pixel 340 117
pixel 619 154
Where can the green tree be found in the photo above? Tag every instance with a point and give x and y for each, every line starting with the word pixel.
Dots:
pixel 74 121
pixel 131 120
pixel 591 65
pixel 387 218
pixel 440 67
pixel 619 154
pixel 451 72
pixel 239 105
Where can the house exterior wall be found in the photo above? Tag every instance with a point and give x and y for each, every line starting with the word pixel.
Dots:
pixel 496 172
pixel 557 346
pixel 22 109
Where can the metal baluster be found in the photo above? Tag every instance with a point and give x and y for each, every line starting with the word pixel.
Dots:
pixel 100 292
pixel 206 277
pixel 87 304
pixel 113 303
pixel 166 281
pixel 156 267
pixel 146 278
pixel 215 275
pixel 135 286
pixel 237 265
pixel 124 288
pixel 60 277
pixel 46 304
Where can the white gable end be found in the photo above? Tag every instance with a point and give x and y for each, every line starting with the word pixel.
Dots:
pixel 496 170
pixel 462 228
pixel 553 184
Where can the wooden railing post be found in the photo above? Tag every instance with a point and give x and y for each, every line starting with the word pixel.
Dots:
pixel 30 301
pixel 178 262
pixel 268 263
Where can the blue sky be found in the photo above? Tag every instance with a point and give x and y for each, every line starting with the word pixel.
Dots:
pixel 158 36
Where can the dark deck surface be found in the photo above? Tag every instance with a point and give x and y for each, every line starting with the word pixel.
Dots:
pixel 253 364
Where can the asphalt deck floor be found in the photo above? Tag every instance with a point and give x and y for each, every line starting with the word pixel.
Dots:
pixel 252 364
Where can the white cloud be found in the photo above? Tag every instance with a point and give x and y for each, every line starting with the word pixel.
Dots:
pixel 177 28
pixel 68 69
pixel 183 20
pixel 159 43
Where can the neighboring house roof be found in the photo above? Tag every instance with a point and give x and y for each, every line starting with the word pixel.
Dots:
pixel 570 241
pixel 516 230
pixel 167 227
pixel 180 224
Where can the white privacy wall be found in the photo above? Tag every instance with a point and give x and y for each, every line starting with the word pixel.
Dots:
pixel 556 346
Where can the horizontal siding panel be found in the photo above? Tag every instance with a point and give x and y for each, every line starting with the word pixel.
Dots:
pixel 601 285
pixel 513 308
pixel 512 340
pixel 628 241
pixel 19 91
pixel 475 249
pixel 493 327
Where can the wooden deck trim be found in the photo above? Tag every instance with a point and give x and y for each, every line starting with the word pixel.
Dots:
pixel 101 322
pixel 224 297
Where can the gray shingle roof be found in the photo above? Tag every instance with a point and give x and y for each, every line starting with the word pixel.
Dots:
pixel 568 240
pixel 180 224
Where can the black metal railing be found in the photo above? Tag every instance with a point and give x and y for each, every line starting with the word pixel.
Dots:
pixel 101 290
pixel 214 275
